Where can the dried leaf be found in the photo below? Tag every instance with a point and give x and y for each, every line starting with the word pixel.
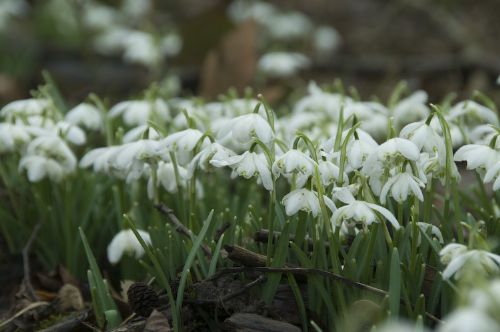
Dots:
pixel 70 298
pixel 157 322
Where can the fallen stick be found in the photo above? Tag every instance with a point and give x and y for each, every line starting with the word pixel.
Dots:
pixel 179 227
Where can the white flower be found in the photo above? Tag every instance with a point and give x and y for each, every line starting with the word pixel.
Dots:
pixel 295 166
pixel 126 242
pixel 167 178
pixel 358 212
pixel 373 117
pixel 424 137
pixel 288 26
pixel 493 173
pixel 24 108
pixel 387 160
pixel 424 227
pixel 101 159
pixel 85 115
pixel 486 298
pixel 70 132
pixel 479 157
pixel 182 143
pixel 241 10
pixel 320 101
pixel 48 156
pixel 142 131
pixel 471 113
pixel 400 186
pixel 358 150
pixel 282 64
pixel 329 173
pixel 411 109
pixel 141 47
pixel 305 200
pixel 468 320
pixel 214 151
pixel 472 261
pixel 12 136
pixel 131 158
pixel 248 165
pixel 245 128
pixel 138 112
pixel 326 40
pixel 452 250
pixel 398 146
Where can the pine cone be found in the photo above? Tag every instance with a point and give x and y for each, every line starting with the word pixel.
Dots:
pixel 142 299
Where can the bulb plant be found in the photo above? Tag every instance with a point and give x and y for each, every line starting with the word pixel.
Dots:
pixel 368 192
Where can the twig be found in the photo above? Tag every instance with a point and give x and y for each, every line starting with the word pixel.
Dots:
pixel 179 227
pixel 29 307
pixel 260 279
pixel 257 264
pixel 69 324
pixel 26 264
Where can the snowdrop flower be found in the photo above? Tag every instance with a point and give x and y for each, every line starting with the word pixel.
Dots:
pixel 98 17
pixel 48 156
pixel 288 26
pixel 305 200
pixel 357 150
pixel 101 159
pixel 70 132
pixel 182 143
pixel 329 173
pixel 85 115
pixel 12 137
pixel 358 212
pixel 126 242
pixel 243 129
pixel 325 40
pixel 475 261
pixel 282 64
pixel 141 48
pixel 486 298
pixel 425 227
pixel 451 251
pixel 373 117
pixel 482 134
pixel 214 151
pixel 24 108
pixel 260 11
pixel 138 112
pixel 142 131
pixel 424 137
pixel 111 40
pixel 295 166
pixel 320 101
pixel 386 159
pixel 248 165
pixel 166 177
pixel 411 109
pixel 471 113
pixel 493 173
pixel 400 186
pixel 132 157
pixel 170 45
pixel 468 320
pixel 479 157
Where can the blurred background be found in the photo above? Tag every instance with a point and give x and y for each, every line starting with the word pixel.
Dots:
pixel 204 47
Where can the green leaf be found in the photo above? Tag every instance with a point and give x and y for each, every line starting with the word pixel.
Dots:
pixel 215 257
pixel 190 260
pixel 395 284
pixel 278 261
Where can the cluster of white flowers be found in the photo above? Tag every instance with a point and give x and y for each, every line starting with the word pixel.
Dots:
pixel 117 33
pixel 354 175
pixel 278 27
pixel 36 131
